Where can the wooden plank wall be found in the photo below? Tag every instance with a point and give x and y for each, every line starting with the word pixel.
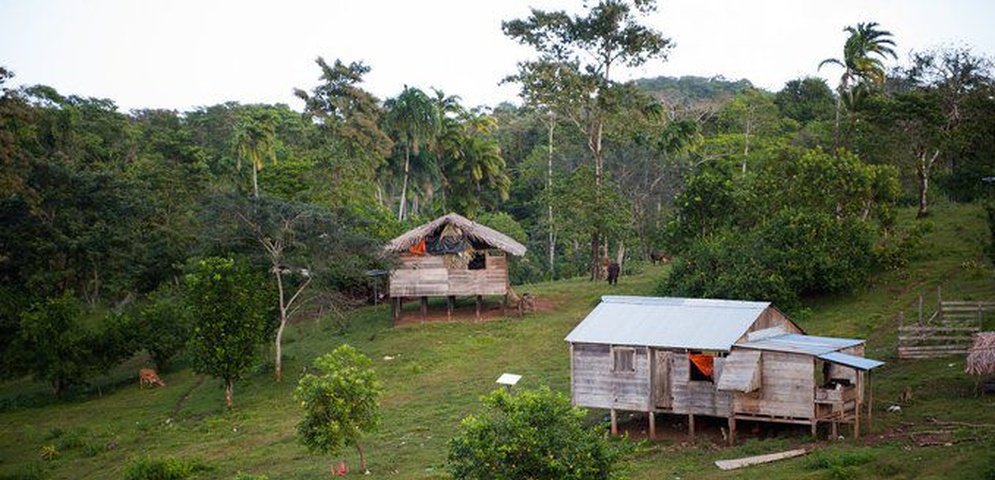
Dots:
pixel 787 387
pixel 770 318
pixel 594 385
pixel 427 275
pixel 697 397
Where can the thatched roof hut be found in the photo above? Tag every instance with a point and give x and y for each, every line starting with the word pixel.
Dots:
pixel 448 257
pixel 478 234
pixel 981 356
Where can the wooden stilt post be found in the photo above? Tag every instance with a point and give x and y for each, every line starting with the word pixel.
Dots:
pixel 394 310
pixel 836 430
pixel 450 300
pixel 815 428
pixel 424 307
pixel 732 430
pixel 614 422
pixel 480 300
pixel 870 401
pixel 652 419
pixel 691 425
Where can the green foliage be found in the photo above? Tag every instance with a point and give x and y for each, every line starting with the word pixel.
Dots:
pixel 163 468
pixel 231 320
pixel 163 326
pixel 341 401
pixel 53 344
pixel 532 434
pixel 804 223
pixel 840 464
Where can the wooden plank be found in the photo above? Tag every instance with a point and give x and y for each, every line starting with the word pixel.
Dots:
pixel 934 329
pixel 759 459
pixel 918 338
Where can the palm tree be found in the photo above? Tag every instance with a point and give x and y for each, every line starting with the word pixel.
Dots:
pixel 255 141
pixel 863 65
pixel 414 119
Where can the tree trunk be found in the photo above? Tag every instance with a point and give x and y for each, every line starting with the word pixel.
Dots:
pixel 229 401
pixel 404 184
pixel 362 458
pixel 278 363
pixel 549 189
pixel 923 168
pixel 255 181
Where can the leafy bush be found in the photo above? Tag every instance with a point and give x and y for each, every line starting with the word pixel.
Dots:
pixel 165 468
pixel 163 326
pixel 532 434
pixel 794 253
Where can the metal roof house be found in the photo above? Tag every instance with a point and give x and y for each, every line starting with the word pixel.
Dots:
pixel 722 358
pixel 448 257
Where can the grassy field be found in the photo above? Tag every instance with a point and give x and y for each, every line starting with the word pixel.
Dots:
pixel 434 374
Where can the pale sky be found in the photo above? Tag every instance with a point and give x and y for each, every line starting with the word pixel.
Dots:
pixel 181 54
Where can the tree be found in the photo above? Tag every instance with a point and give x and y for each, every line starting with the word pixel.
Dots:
pixel 532 434
pixel 414 119
pixel 231 322
pixel 341 402
pixel 54 345
pixel 572 75
pixel 255 138
pixel 162 326
pixel 863 66
pixel 805 100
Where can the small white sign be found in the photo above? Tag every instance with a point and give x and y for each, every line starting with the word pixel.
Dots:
pixel 508 379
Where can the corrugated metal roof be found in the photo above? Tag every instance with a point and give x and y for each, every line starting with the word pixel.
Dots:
pixel 795 343
pixel 691 323
pixel 860 363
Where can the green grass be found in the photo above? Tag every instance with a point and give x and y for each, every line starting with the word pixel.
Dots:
pixel 438 371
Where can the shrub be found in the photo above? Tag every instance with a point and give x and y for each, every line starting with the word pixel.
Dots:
pixel 532 434
pixel 165 468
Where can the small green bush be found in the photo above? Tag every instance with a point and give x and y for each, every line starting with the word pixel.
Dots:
pixel 165 468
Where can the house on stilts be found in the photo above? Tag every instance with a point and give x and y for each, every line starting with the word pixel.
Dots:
pixel 448 257
pixel 737 360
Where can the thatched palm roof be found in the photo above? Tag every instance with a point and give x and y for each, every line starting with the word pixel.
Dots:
pixel 471 230
pixel 981 356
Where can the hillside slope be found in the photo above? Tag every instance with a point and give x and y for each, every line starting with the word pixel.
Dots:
pixel 435 372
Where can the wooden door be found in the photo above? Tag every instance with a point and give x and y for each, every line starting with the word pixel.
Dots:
pixel 661 380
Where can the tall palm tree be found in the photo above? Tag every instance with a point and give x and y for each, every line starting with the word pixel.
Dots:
pixel 863 65
pixel 255 141
pixel 414 120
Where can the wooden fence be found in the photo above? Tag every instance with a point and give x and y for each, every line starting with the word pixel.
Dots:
pixel 948 331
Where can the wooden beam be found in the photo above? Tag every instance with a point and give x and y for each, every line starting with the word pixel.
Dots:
pixel 652 420
pixel 691 425
pixel 759 459
pixel 480 299
pixel 614 422
pixel 732 431
pixel 424 307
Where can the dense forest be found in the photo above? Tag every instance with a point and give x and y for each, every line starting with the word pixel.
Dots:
pixel 109 218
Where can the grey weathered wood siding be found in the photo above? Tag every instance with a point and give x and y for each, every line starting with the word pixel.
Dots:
pixel 595 385
pixel 787 387
pixel 428 276
pixel 697 397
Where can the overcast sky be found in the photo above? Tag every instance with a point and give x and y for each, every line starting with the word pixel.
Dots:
pixel 181 54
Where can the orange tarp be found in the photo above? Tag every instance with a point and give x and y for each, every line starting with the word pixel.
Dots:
pixel 418 248
pixel 703 362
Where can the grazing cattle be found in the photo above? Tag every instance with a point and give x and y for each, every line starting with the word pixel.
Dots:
pixel 613 271
pixel 147 376
pixel 659 257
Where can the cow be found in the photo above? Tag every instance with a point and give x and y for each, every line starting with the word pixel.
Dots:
pixel 613 271
pixel 659 257
pixel 147 376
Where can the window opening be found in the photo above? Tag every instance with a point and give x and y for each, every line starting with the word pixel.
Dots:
pixel 624 360
pixel 701 367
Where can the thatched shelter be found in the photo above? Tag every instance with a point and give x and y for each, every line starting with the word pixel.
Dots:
pixel 981 356
pixel 448 257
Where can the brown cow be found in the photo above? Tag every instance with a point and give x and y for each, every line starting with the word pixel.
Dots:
pixel 659 257
pixel 147 376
